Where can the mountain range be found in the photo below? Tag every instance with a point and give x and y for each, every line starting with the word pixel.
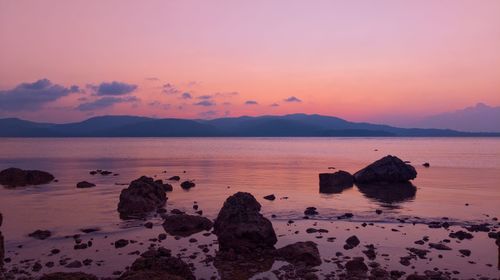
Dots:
pixel 295 125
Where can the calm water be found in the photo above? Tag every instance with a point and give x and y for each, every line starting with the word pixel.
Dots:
pixel 463 170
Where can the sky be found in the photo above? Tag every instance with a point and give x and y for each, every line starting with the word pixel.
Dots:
pixel 381 61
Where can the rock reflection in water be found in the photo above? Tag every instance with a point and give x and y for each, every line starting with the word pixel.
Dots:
pixel 232 266
pixel 389 193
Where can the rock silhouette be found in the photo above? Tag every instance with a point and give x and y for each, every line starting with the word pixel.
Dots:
pixel 335 182
pixel 241 227
pixel 141 197
pixel 15 177
pixel 389 169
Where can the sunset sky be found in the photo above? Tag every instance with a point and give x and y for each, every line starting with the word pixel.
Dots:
pixel 361 60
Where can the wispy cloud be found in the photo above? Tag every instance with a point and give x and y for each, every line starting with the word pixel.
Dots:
pixel 105 102
pixel 115 88
pixel 275 105
pixel 251 102
pixel 205 103
pixel 169 88
pixel 204 97
pixel 186 95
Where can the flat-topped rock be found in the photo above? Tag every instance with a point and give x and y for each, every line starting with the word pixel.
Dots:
pixel 185 225
pixel 335 182
pixel 141 197
pixel 84 185
pixel 15 177
pixel 389 169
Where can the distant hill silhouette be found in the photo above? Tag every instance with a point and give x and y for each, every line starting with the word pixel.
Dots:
pixel 296 125
pixel 479 118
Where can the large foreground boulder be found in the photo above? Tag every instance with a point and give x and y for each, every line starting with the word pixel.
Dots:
pixel 185 225
pixel 389 169
pixel 335 182
pixel 241 227
pixel 305 253
pixel 15 177
pixel 141 197
pixel 158 264
pixel 68 276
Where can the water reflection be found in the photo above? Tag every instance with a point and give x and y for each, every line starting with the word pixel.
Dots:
pixel 242 267
pixel 389 194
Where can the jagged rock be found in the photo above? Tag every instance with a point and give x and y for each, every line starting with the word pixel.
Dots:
pixel 185 225
pixel 158 264
pixel 301 253
pixel 84 185
pixel 240 226
pixel 68 276
pixel 15 177
pixel 335 182
pixel 141 197
pixel 389 169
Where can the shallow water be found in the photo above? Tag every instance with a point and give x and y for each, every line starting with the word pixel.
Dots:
pixel 463 170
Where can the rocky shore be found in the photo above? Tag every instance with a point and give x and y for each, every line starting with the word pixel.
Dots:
pixel 241 242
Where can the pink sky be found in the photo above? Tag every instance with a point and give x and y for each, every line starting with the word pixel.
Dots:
pixel 360 60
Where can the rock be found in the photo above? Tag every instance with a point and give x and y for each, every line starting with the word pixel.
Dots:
pixel 389 169
pixel 465 252
pixel 426 164
pixel 90 230
pixel 439 246
pixel 121 243
pixel 68 276
pixel 352 241
pixel 301 253
pixel 166 187
pixel 356 265
pixel 174 178
pixel 15 177
pixel 156 265
pixel 311 211
pixel 185 225
pixel 84 185
pixel 40 234
pixel 141 197
pixel 240 226
pixel 187 185
pixel 461 235
pixel 270 197
pixel 74 264
pixel 335 182
pixel 148 225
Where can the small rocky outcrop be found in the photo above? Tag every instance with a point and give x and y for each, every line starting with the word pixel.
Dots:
pixel 68 276
pixel 158 264
pixel 241 227
pixel 141 197
pixel 187 185
pixel 15 177
pixel 175 178
pixel 306 253
pixel 84 185
pixel 270 197
pixel 335 182
pixel 185 225
pixel 40 234
pixel 389 169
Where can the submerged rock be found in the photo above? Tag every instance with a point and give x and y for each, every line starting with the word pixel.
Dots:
pixel 389 169
pixel 68 276
pixel 84 185
pixel 241 227
pixel 158 264
pixel 40 234
pixel 15 177
pixel 187 185
pixel 306 253
pixel 335 182
pixel 142 196
pixel 185 225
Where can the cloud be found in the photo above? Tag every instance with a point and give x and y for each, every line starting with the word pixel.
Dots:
pixel 32 96
pixel 151 79
pixel 208 114
pixel 115 88
pixel 275 105
pixel 205 103
pixel 204 97
pixel 160 105
pixel 169 88
pixel 227 94
pixel 186 95
pixel 292 99
pixel 251 102
pixel 105 102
